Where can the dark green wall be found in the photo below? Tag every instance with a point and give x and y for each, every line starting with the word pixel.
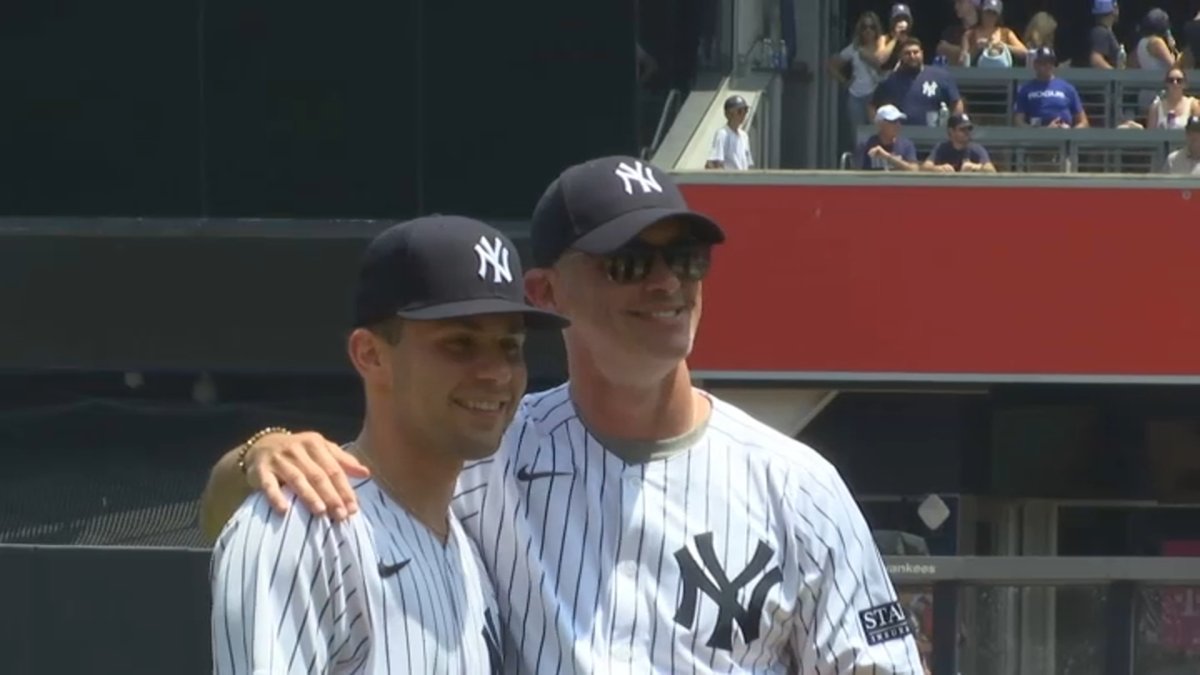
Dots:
pixel 377 108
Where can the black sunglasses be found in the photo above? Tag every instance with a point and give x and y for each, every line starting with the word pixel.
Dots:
pixel 1174 80
pixel 688 260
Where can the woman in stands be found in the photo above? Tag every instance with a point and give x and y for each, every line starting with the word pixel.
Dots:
pixel 1156 49
pixel 990 42
pixel 1172 109
pixel 858 65
pixel 1040 32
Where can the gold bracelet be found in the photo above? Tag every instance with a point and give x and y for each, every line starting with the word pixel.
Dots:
pixel 245 447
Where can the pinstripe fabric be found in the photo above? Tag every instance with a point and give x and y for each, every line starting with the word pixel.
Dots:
pixel 743 554
pixel 299 594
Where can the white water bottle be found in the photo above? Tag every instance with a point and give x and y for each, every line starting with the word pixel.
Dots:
pixel 943 117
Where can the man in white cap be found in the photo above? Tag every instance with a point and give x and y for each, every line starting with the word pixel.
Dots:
pixel 886 150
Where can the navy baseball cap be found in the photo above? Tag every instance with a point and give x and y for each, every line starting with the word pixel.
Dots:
pixel 602 204
pixel 1193 123
pixel 994 6
pixel 901 10
pixel 443 267
pixel 1044 54
pixel 962 120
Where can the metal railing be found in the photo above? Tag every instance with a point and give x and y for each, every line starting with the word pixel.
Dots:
pixel 1109 96
pixel 1031 149
pixel 669 109
pixel 1019 613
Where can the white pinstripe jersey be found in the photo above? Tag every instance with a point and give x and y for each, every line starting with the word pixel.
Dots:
pixel 743 553
pixel 376 595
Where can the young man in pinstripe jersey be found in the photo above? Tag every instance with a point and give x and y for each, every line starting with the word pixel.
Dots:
pixel 630 522
pixel 440 319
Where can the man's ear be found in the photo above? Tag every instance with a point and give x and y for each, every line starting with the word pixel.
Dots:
pixel 365 350
pixel 539 289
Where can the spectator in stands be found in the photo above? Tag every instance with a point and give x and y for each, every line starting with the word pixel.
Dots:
pixel 951 44
pixel 1191 39
pixel 1040 33
pixel 990 43
pixel 887 150
pixel 731 143
pixel 1107 51
pixel 899 30
pixel 916 89
pixel 1186 161
pixel 1172 109
pixel 858 65
pixel 958 152
pixel 1156 48
pixel 1048 100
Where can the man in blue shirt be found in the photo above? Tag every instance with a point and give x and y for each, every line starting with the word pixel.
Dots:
pixel 916 89
pixel 1047 101
pixel 958 152
pixel 886 150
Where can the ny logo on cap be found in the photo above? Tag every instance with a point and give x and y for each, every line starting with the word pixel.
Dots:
pixel 639 173
pixel 493 254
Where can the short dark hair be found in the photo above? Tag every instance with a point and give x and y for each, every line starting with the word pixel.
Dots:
pixel 389 329
pixel 911 41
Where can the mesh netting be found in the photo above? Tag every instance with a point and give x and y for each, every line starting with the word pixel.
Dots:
pixel 107 472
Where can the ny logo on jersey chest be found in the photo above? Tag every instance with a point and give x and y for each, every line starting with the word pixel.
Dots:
pixel 708 576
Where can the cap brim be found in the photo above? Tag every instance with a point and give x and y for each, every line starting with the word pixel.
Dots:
pixel 621 230
pixel 534 318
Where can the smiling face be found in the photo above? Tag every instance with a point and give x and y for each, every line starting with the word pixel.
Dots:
pixel 633 314
pixel 449 386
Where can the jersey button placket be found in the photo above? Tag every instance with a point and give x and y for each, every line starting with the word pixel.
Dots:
pixel 625 595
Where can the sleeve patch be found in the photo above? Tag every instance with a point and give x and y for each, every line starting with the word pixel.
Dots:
pixel 884 623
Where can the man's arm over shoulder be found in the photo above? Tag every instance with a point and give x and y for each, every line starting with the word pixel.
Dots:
pixel 287 592
pixel 854 621
pixel 315 468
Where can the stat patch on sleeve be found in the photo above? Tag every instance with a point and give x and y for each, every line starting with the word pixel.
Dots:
pixel 885 622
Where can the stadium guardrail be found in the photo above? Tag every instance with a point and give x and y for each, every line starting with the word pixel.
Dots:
pixel 1110 96
pixel 1089 150
pixel 1123 584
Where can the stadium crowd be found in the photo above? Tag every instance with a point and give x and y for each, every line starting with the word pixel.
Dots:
pixel 891 80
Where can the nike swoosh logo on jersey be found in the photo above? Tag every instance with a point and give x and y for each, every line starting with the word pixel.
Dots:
pixel 386 570
pixel 524 474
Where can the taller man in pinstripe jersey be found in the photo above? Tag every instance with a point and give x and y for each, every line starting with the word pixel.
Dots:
pixel 631 522
pixel 440 318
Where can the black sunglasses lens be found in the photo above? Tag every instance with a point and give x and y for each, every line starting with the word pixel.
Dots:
pixel 629 265
pixel 632 264
pixel 1174 80
pixel 689 262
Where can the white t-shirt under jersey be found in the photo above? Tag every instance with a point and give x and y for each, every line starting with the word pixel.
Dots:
pixel 743 553
pixel 378 594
